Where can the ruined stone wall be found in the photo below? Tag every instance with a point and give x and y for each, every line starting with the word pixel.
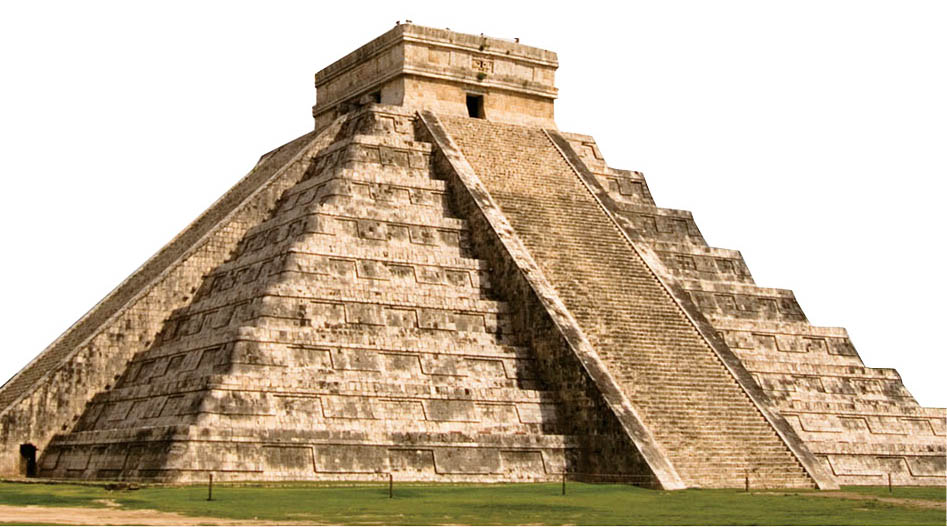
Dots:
pixel 49 394
pixel 862 423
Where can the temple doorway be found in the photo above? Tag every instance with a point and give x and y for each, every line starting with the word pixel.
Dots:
pixel 28 451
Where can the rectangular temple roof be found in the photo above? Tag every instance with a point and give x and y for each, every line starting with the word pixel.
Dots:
pixel 446 71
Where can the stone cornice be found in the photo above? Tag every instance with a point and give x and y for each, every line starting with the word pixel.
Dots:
pixel 487 46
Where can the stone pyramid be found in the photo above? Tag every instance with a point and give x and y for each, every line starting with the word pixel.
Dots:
pixel 439 285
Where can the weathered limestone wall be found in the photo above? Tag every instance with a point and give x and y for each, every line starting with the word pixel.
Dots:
pixel 425 68
pixel 861 422
pixel 49 394
pixel 499 105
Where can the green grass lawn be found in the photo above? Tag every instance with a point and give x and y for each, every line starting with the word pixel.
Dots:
pixel 52 495
pixel 917 493
pixel 604 504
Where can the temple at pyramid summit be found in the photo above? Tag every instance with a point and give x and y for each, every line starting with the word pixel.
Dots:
pixel 438 284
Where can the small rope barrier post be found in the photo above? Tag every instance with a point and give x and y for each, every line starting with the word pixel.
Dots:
pixel 889 483
pixel 563 483
pixel 391 486
pixel 210 487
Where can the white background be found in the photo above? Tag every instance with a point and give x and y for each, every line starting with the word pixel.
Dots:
pixel 809 135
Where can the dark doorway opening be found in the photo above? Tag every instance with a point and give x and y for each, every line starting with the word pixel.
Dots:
pixel 475 106
pixel 28 451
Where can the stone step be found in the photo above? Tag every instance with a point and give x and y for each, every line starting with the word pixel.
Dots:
pixel 711 252
pixel 281 294
pixel 647 369
pixel 342 425
pixel 734 429
pixel 692 460
pixel 321 227
pixel 694 262
pixel 349 372
pixel 444 377
pixel 659 224
pixel 737 482
pixel 737 466
pixel 409 318
pixel 706 441
pixel 363 302
pixel 672 398
pixel 379 338
pixel 383 212
pixel 531 405
pixel 332 218
pixel 467 282
pixel 378 188
pixel 822 370
pixel 413 324
pixel 681 409
pixel 313 437
pixel 437 253
pixel 715 316
pixel 435 245
pixel 487 379
pixel 373 189
pixel 899 397
pixel 788 341
pixel 728 446
pixel 366 172
pixel 403 140
pixel 710 466
pixel 346 335
pixel 814 358
pixel 802 329
pixel 389 254
pixel 365 268
pixel 394 141
pixel 340 192
pixel 899 447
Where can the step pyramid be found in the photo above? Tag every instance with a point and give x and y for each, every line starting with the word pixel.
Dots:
pixel 438 285
pixel 350 334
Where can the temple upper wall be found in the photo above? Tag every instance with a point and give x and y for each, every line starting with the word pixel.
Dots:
pixel 444 71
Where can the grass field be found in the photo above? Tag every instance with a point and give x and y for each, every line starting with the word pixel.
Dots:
pixel 603 504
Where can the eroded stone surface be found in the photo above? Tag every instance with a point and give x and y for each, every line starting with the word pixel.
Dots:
pixel 413 291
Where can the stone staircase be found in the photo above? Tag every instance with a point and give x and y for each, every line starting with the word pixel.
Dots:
pixel 351 334
pixel 707 426
pixel 861 422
